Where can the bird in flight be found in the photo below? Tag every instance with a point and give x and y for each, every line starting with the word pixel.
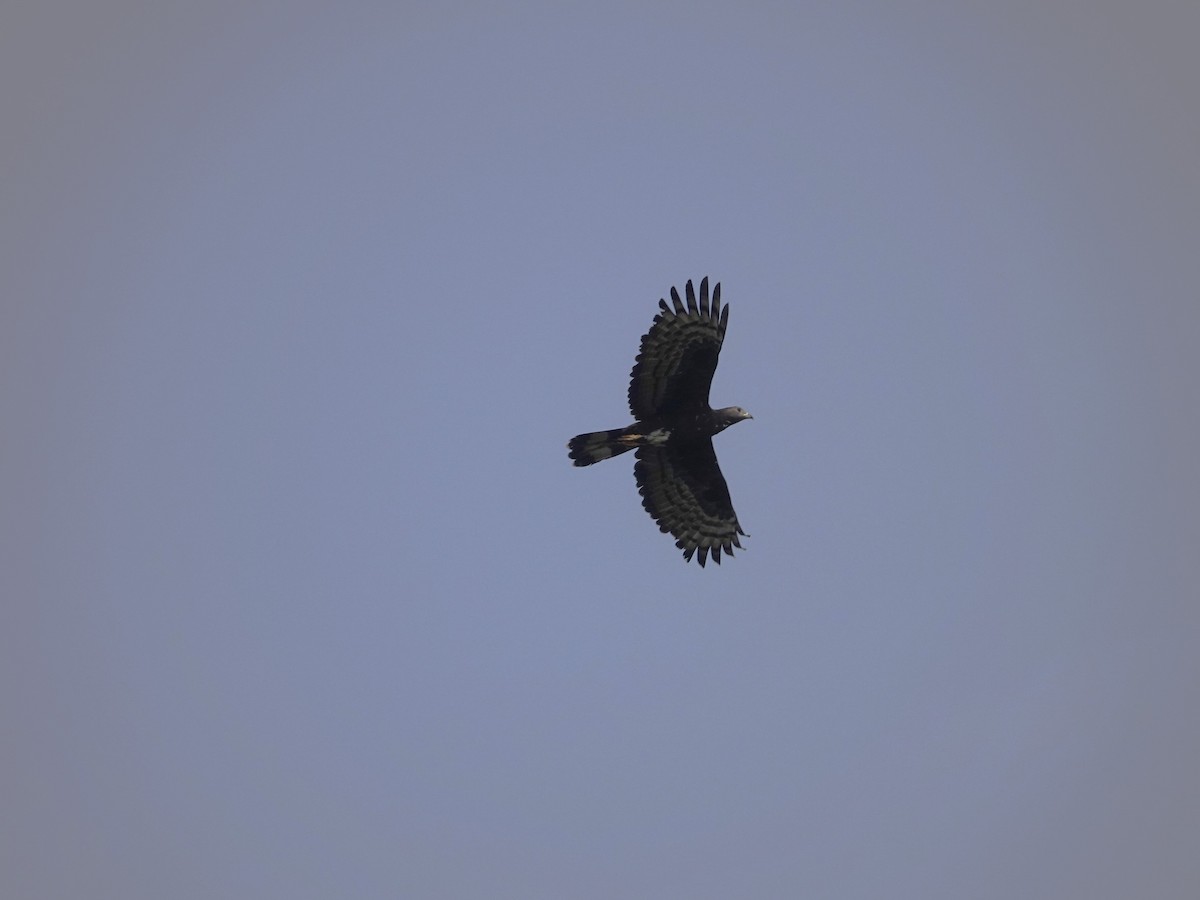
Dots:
pixel 676 470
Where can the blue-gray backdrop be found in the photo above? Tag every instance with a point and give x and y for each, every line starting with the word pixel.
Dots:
pixel 302 599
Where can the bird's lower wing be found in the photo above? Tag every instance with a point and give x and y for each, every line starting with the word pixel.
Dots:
pixel 684 491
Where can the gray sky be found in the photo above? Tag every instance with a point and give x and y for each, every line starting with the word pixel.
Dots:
pixel 303 599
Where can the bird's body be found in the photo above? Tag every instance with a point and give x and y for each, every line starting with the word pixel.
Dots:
pixel 677 472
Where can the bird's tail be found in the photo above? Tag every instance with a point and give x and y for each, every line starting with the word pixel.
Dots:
pixel 597 445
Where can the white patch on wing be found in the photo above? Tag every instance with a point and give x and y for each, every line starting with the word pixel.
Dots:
pixel 658 436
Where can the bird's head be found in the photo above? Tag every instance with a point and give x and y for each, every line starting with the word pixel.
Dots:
pixel 731 415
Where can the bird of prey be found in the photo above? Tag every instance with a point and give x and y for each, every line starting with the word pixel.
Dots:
pixel 676 470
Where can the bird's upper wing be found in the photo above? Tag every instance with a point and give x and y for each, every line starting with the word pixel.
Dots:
pixel 678 355
pixel 684 491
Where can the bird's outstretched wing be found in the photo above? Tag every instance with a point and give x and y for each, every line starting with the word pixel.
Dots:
pixel 678 355
pixel 684 491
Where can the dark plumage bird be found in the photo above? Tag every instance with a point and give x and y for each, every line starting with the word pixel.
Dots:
pixel 677 473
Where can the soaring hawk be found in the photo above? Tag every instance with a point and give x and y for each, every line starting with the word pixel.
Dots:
pixel 677 473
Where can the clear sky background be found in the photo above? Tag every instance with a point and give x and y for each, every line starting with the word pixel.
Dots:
pixel 303 599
